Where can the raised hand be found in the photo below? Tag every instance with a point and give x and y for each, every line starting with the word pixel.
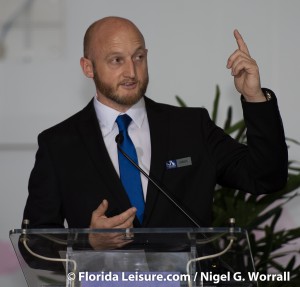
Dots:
pixel 100 221
pixel 245 72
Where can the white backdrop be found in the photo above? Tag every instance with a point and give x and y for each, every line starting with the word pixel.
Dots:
pixel 189 43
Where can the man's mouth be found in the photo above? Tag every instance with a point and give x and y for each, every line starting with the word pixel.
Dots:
pixel 129 84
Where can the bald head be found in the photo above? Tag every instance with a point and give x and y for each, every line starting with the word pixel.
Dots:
pixel 100 30
pixel 115 57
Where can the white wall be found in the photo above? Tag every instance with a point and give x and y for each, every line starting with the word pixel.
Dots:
pixel 189 43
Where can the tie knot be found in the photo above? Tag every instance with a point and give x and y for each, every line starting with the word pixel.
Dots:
pixel 123 122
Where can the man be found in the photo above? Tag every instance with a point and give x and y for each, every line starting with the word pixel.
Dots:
pixel 76 176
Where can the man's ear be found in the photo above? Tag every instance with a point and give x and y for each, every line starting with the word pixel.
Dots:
pixel 87 67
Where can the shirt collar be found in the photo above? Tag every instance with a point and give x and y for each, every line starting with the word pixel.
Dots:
pixel 107 116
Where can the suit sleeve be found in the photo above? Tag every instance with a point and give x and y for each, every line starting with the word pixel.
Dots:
pixel 260 166
pixel 43 206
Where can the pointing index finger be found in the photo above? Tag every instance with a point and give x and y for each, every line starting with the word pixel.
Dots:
pixel 240 42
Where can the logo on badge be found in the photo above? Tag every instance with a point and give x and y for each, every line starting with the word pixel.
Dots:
pixel 171 164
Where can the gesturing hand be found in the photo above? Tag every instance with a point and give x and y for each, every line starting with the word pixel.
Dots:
pixel 100 221
pixel 245 72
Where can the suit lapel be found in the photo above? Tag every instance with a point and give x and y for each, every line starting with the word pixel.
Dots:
pixel 91 135
pixel 159 126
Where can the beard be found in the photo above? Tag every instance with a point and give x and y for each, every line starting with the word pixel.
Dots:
pixel 110 91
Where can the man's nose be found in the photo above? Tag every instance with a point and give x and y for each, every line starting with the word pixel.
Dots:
pixel 130 70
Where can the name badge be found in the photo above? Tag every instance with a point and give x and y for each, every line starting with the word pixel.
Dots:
pixel 186 161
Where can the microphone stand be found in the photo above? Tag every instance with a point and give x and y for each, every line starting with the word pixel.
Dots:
pixel 119 139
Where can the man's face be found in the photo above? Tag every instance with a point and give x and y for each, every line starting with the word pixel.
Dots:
pixel 120 68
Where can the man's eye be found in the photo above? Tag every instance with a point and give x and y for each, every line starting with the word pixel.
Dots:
pixel 116 60
pixel 139 57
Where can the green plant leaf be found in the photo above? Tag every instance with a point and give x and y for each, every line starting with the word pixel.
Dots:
pixel 180 102
pixel 237 126
pixel 293 141
pixel 228 119
pixel 216 105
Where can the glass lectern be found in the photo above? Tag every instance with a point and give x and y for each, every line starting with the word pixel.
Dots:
pixel 148 257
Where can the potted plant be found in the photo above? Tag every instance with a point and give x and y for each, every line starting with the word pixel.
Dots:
pixel 267 242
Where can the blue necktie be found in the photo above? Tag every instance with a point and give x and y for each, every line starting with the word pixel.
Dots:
pixel 130 176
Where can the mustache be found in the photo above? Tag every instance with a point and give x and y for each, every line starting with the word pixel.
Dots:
pixel 124 82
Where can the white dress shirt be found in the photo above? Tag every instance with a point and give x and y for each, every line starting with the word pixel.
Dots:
pixel 138 131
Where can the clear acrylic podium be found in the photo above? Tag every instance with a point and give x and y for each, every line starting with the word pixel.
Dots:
pixel 149 258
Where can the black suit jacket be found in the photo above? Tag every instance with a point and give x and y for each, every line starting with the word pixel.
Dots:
pixel 73 172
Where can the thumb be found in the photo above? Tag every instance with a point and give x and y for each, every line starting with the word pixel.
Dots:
pixel 101 209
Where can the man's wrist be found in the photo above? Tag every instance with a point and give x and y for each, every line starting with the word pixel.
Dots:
pixel 264 96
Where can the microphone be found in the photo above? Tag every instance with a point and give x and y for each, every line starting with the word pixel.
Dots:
pixel 119 139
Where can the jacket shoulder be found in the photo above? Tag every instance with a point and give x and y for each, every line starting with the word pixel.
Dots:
pixel 176 111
